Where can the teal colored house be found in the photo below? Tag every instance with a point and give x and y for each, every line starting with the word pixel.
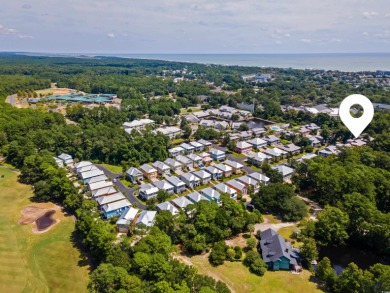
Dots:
pixel 276 252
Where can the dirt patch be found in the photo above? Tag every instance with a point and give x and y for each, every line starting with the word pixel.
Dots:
pixel 42 218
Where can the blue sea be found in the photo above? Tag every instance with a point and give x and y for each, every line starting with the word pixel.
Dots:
pixel 352 62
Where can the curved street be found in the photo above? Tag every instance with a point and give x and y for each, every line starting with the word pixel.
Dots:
pixel 127 191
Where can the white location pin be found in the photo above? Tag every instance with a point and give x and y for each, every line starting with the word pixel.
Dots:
pixel 356 125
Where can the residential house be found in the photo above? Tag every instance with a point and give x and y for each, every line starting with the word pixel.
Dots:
pixel 197 146
pixel 243 147
pixel 137 124
pixel 181 202
pixel 223 188
pixel 291 148
pixel 148 171
pixel 66 159
pixel 206 158
pixel 236 185
pixel 249 182
pixel 103 192
pixel 188 149
pixel 329 150
pixel 162 168
pixel 99 185
pixel 128 216
pixel 356 142
pixel 272 140
pixel 285 171
pixel 96 179
pixel 237 167
pixel 236 125
pixel 185 162
pixel 276 153
pixel 226 170
pixel 146 218
pixel 306 157
pixel 196 197
pixel 164 185
pixel 192 119
pixel 190 180
pixel 221 125
pixel 207 123
pixel 258 143
pixel 115 208
pixel 86 169
pixel 59 162
pixel 217 154
pixel 206 144
pixel 204 176
pixel 82 164
pixel 234 137
pixel 173 164
pixel 214 172
pixel 245 135
pixel 167 206
pixel 257 159
pixel 211 194
pixel 260 177
pixel 174 152
pixel 276 252
pixel 134 175
pixel 257 132
pixel 197 160
pixel 89 174
pixel 148 191
pixel 170 131
pixel 178 185
pixel 102 200
pixel 316 141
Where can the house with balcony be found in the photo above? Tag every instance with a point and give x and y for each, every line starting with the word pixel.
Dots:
pixel 146 218
pixel 214 172
pixel 173 164
pixel 186 162
pixel 291 149
pixel 99 185
pixel 226 170
pixel 90 174
pixel 211 194
pixel 276 153
pixel 164 185
pixel 217 155
pixel 197 160
pixel 115 208
pixel 258 159
pixel 148 171
pixel 236 185
pixel 181 202
pixel 205 177
pixel 148 191
pixel 190 180
pixel 286 171
pixel 198 147
pixel 102 200
pixel 258 143
pixel 206 158
pixel 66 159
pixel 196 197
pixel 188 149
pixel 127 218
pixel 260 177
pixel 167 206
pixel 103 192
pixel 174 152
pixel 162 168
pixel 134 175
pixel 258 131
pixel 249 182
pixel 178 185
pixel 223 188
pixel 236 166
pixel 243 147
pixel 206 144
pixel 272 140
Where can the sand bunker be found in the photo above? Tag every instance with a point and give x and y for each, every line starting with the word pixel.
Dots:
pixel 43 219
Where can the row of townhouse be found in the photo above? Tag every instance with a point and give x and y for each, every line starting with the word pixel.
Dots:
pixel 109 200
pixel 189 148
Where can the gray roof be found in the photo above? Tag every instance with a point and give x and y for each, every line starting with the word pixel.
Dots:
pixel 290 147
pixel 147 168
pixel 210 192
pixel 173 163
pixel 212 170
pixel 181 201
pixel 175 181
pixel 259 177
pixel 274 246
pixel 202 174
pixel 167 206
pixel 196 197
pixel 163 184
pixel 160 165
pixel 134 172
pixel 183 160
pixel 271 138
pixel 204 142
pixel 284 169
pixel 194 157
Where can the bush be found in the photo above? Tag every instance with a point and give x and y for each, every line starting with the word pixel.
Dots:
pixel 255 264
pixel 251 243
pixel 230 254
pixel 238 252
pixel 218 253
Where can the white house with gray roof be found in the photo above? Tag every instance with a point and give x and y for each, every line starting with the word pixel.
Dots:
pixel 260 177
pixel 271 140
pixel 173 164
pixel 236 166
pixel 134 175
pixel 181 202
pixel 167 206
pixel 190 180
pixel 188 163
pixel 249 181
pixel 103 191
pixel 276 153
pixel 99 185
pixel 174 152
pixel 178 185
pixel 146 218
pixel 162 168
pixel 204 176
pixel 102 200
pixel 211 194
pixel 226 170
pixel 197 146
pixel 196 197
pixel 195 159
pixel 214 172
pixel 164 185
pixel 257 143
pixel 206 144
pixel 258 158
pixel 188 149
pixel 285 171
pixel 223 188
pixel 148 191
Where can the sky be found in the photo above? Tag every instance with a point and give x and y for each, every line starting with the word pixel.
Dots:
pixel 195 26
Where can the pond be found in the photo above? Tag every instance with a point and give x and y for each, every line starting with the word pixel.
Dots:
pixel 340 257
pixel 45 221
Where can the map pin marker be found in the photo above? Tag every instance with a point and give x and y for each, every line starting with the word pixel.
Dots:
pixel 356 125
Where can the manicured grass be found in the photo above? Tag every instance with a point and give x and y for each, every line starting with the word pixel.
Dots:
pixel 185 111
pixel 239 279
pixel 234 176
pixel 237 155
pixel 29 262
pixel 113 168
pixel 177 141
pixel 271 219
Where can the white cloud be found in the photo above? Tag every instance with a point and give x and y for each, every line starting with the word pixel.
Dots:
pixel 25 37
pixel 4 30
pixel 369 14
pixel 306 41
pixel 387 15
pixel 365 34
pixel 111 35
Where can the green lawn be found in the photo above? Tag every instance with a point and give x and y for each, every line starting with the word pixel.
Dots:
pixel 237 155
pixel 113 168
pixel 177 141
pixel 29 262
pixel 271 219
pixel 239 279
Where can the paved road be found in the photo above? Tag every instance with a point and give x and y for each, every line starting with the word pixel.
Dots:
pixel 128 192
pixel 232 158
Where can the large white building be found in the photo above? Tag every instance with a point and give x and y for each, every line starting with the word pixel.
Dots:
pixel 137 124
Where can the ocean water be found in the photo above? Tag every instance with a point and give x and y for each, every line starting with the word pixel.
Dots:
pixel 343 62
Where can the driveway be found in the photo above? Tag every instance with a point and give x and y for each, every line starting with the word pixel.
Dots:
pixel 232 158
pixel 128 192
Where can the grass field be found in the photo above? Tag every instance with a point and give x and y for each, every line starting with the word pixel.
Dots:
pixel 113 168
pixel 29 262
pixel 240 280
